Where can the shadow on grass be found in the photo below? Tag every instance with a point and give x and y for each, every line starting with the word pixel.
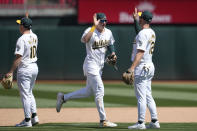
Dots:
pixel 111 99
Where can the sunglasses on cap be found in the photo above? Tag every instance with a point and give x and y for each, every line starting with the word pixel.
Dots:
pixel 102 21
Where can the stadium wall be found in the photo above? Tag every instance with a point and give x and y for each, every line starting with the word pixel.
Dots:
pixel 61 54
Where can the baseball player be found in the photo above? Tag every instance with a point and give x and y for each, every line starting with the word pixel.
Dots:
pixel 27 71
pixel 143 69
pixel 97 40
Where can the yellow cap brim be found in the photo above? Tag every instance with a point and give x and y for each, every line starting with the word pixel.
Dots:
pixel 139 13
pixel 18 22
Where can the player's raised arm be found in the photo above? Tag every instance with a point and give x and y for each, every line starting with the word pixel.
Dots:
pixel 88 36
pixel 136 23
pixel 26 14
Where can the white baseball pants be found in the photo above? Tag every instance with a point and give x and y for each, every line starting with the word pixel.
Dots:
pixel 26 77
pixel 142 83
pixel 94 86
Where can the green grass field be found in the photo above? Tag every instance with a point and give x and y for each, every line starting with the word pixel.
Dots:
pixel 94 127
pixel 116 95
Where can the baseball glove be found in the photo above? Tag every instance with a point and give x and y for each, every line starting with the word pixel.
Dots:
pixel 7 82
pixel 128 77
pixel 111 60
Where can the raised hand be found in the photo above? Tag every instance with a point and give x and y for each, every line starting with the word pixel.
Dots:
pixel 95 21
pixel 26 14
pixel 135 14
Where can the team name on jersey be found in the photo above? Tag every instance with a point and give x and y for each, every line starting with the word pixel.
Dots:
pixel 100 44
pixel 32 40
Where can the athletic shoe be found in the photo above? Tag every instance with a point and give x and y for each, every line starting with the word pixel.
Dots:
pixel 107 124
pixel 60 101
pixel 155 125
pixel 34 121
pixel 24 124
pixel 138 126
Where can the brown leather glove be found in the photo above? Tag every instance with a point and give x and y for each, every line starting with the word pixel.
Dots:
pixel 128 77
pixel 7 82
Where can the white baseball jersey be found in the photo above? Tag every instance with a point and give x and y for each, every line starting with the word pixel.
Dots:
pixel 144 73
pixel 26 46
pixel 145 41
pixel 94 61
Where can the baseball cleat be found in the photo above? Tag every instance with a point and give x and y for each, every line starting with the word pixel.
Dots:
pixel 24 124
pixel 107 124
pixel 137 126
pixel 152 125
pixel 60 101
pixel 34 121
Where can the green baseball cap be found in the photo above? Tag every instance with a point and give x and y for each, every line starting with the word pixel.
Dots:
pixel 101 16
pixel 26 22
pixel 146 15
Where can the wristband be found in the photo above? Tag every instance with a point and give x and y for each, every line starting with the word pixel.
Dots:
pixel 93 28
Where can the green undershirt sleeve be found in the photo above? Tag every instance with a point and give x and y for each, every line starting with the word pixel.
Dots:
pixel 137 27
pixel 111 48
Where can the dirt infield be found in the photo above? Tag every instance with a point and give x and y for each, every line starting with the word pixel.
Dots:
pixel 10 117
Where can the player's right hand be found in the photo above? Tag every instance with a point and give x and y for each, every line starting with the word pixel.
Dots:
pixel 135 14
pixel 95 21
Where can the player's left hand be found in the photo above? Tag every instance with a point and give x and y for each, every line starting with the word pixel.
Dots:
pixel 111 59
pixel 114 57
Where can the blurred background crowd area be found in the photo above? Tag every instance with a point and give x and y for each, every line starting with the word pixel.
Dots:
pixel 38 7
pixel 37 3
pixel 59 25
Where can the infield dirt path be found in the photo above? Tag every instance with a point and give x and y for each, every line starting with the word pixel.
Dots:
pixel 10 117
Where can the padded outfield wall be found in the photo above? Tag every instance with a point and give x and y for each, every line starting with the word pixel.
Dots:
pixel 61 54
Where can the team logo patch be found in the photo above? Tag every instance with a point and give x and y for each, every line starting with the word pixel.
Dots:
pixel 18 47
pixel 134 42
pixel 140 43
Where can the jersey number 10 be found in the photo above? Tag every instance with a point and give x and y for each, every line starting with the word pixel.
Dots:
pixel 33 52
